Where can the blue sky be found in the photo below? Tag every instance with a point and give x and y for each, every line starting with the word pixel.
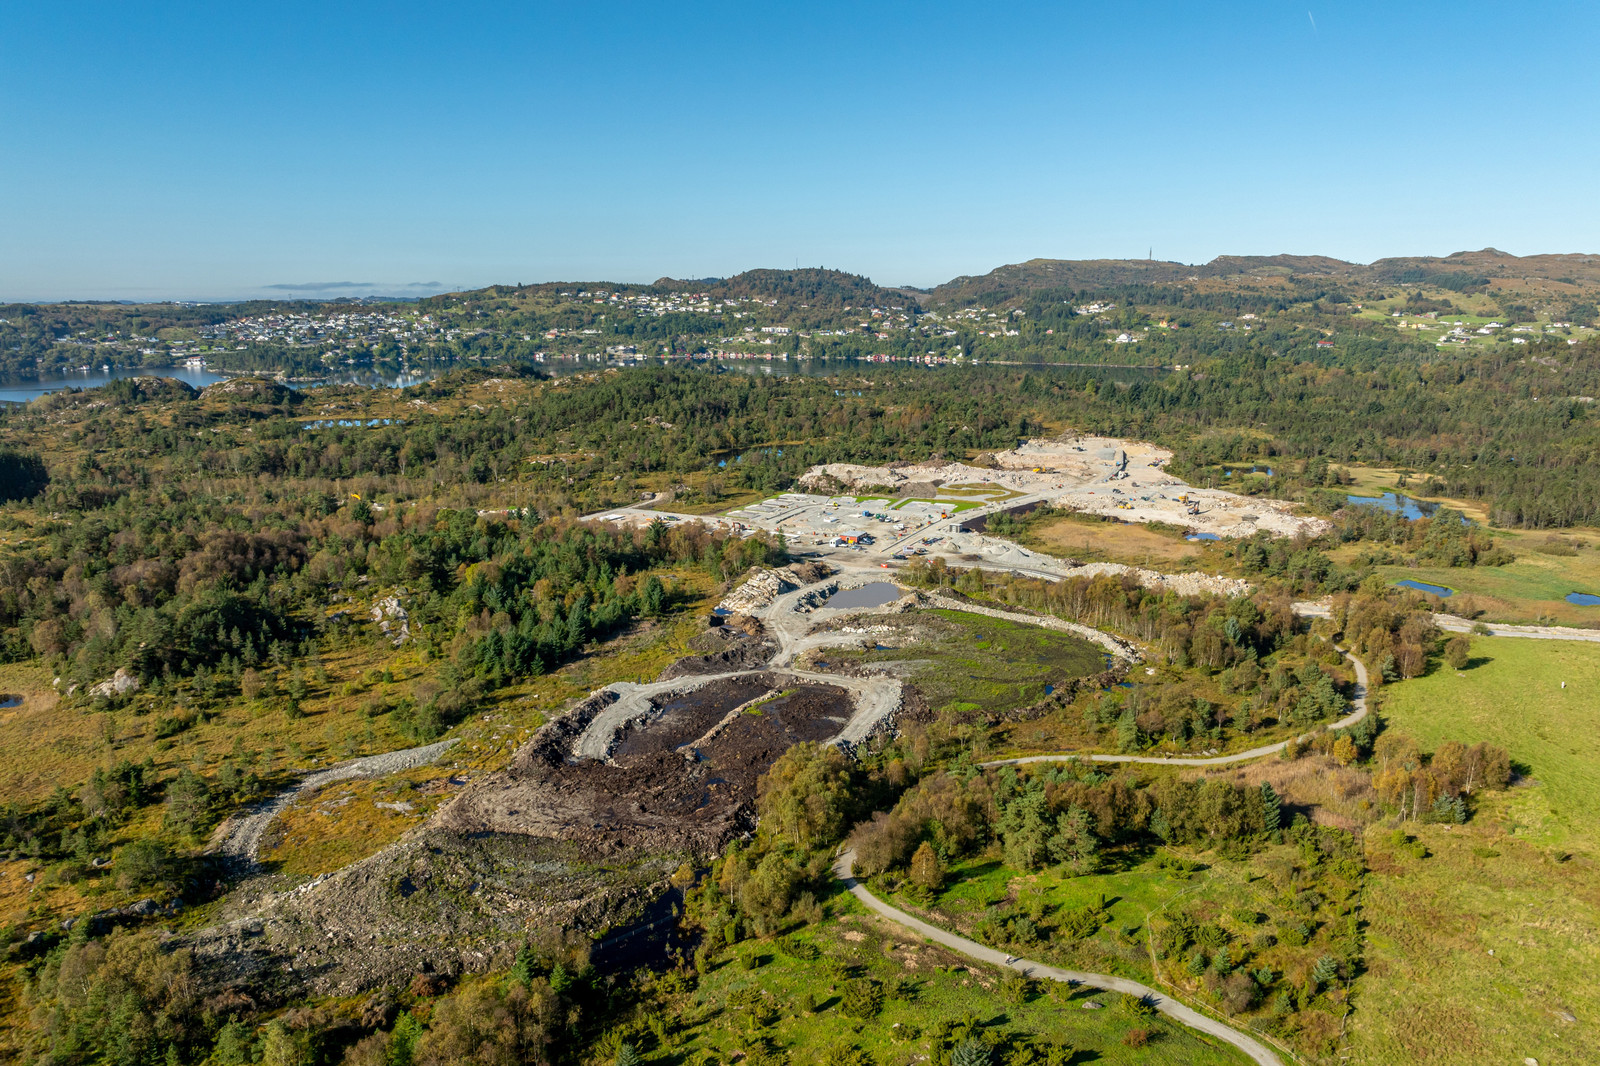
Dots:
pixel 222 150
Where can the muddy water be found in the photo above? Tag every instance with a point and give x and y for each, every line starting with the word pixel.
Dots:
pixel 874 595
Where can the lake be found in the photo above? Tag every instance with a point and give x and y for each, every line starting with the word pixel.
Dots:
pixel 1583 599
pixel 1423 586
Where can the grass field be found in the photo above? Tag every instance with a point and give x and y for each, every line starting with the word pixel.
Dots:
pixel 1511 695
pixel 1096 541
pixel 1482 951
pixel 1531 590
pixel 343 822
pixel 961 661
pixel 942 987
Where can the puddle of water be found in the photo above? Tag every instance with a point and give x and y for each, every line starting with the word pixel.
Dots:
pixel 10 701
pixel 1048 689
pixel 874 595
pixel 1582 599
pixel 1423 586
pixel 1202 536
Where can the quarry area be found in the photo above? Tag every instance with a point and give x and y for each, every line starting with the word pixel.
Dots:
pixel 1097 475
pixel 883 514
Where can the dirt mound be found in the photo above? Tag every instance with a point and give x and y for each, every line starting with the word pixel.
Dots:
pixel 438 902
pixel 682 779
pixel 726 649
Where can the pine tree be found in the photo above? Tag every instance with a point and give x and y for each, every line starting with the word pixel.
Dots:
pixel 971 1052
pixel 522 970
pixel 626 1056
pixel 1074 845
pixel 1325 970
pixel 1271 808
pixel 1127 732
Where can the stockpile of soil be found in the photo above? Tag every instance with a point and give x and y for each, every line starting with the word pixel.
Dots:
pixel 682 780
pixel 726 648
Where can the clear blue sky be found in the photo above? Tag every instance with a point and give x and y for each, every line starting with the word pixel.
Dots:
pixel 218 150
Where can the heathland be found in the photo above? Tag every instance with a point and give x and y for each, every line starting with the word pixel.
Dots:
pixel 207 595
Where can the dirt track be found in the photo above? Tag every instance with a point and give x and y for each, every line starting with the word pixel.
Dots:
pixel 240 837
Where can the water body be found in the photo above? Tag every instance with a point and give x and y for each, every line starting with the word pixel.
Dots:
pixel 329 423
pixel 1423 586
pixel 1202 536
pixel 1582 599
pixel 874 595
pixel 20 388
pixel 10 701
pixel 1405 506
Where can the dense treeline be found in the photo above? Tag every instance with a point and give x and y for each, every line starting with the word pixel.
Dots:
pixel 198 590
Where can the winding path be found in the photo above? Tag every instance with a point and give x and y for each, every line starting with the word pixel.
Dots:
pixel 241 836
pixel 844 866
pixel 1358 702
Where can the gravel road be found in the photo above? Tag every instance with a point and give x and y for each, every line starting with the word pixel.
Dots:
pixel 844 866
pixel 241 835
pixel 1358 703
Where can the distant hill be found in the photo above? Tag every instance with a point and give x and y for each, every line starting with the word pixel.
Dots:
pixel 1459 270
pixel 818 287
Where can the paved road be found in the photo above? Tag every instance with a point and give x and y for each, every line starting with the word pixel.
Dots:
pixel 843 869
pixel 1456 624
pixel 1358 704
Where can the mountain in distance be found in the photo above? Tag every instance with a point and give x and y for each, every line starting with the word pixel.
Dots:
pixel 1489 267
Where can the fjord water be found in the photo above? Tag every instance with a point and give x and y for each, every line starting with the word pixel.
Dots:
pixel 20 388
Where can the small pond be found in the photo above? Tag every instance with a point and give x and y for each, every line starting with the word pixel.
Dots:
pixel 1582 599
pixel 1404 506
pixel 1423 586
pixel 874 595
pixel 1202 536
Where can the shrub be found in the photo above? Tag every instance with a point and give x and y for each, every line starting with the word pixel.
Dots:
pixel 1136 1037
pixel 1017 989
pixel 863 998
pixel 143 864
pixel 1135 1006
